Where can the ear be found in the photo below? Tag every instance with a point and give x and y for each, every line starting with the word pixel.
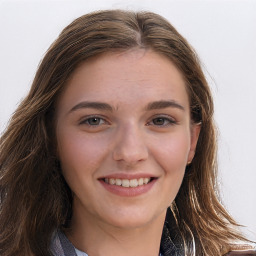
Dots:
pixel 195 131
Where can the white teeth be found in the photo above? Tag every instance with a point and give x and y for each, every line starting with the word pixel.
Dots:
pixel 118 182
pixel 112 181
pixel 146 180
pixel 128 183
pixel 125 183
pixel 141 181
pixel 134 183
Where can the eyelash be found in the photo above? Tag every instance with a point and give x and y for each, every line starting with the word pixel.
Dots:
pixel 166 121
pixel 90 118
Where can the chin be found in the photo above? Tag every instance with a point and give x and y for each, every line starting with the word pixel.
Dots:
pixel 134 220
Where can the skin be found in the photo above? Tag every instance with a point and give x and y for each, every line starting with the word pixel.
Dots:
pixel 129 136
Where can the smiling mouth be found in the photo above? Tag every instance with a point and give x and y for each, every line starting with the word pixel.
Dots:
pixel 133 183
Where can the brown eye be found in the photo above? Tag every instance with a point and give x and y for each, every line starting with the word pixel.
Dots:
pixel 159 121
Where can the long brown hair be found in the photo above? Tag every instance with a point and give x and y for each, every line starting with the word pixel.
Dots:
pixel 35 199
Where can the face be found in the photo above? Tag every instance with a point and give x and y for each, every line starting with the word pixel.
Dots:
pixel 124 137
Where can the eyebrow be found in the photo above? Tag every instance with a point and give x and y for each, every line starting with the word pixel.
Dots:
pixel 93 105
pixel 161 104
pixel 164 104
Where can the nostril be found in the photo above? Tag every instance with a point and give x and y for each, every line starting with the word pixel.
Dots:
pixel 130 155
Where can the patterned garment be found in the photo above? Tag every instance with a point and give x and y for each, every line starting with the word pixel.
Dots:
pixel 61 246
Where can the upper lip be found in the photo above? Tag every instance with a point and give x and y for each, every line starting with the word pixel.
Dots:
pixel 128 176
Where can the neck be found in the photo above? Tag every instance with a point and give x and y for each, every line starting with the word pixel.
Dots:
pixel 105 240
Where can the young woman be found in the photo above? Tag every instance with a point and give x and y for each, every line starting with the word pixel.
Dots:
pixel 113 151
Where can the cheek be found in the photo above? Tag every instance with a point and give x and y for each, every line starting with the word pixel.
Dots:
pixel 171 153
pixel 79 154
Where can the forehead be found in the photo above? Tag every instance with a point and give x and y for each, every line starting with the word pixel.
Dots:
pixel 129 76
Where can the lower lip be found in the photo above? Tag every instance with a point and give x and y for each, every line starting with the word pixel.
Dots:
pixel 128 192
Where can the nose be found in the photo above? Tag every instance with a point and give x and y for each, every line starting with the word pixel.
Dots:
pixel 130 147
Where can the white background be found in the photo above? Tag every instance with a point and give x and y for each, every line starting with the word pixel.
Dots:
pixel 222 32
